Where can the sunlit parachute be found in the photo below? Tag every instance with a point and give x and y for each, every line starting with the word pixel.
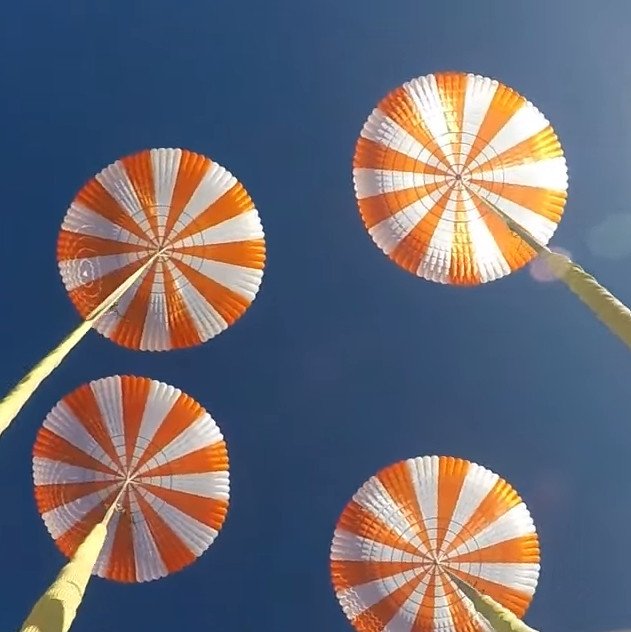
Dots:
pixel 204 227
pixel 163 249
pixel 416 525
pixel 157 443
pixel 459 179
pixel 430 156
pixel 131 478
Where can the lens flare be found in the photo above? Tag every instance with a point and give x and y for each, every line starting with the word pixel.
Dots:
pixel 539 269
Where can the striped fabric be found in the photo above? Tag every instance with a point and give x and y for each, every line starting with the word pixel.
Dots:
pixel 192 211
pixel 430 155
pixel 164 443
pixel 414 521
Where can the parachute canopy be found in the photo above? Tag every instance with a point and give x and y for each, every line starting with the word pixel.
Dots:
pixel 415 522
pixel 196 215
pixel 157 442
pixel 429 156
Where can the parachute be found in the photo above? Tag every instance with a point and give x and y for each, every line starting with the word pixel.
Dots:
pixel 418 524
pixel 460 180
pixel 161 250
pixel 131 479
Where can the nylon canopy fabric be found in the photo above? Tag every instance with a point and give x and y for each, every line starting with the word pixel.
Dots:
pixel 201 221
pixel 430 155
pixel 415 522
pixel 158 444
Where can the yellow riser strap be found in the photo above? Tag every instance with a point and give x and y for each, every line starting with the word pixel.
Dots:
pixel 11 405
pixel 606 307
pixel 500 618
pixel 56 609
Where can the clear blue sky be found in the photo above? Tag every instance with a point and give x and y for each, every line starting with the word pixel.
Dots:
pixel 344 363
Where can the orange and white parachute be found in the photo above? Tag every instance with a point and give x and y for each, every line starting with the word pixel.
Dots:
pixel 416 524
pixel 461 180
pixel 151 449
pixel 430 156
pixel 201 221
pixel 161 250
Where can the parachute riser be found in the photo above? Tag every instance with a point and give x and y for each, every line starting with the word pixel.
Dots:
pixel 12 403
pixel 521 232
pixel 500 618
pixel 56 609
pixel 115 505
pixel 606 307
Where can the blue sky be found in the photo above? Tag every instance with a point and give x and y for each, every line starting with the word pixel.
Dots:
pixel 344 363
